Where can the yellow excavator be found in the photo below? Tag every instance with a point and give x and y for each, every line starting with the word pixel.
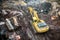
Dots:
pixel 39 25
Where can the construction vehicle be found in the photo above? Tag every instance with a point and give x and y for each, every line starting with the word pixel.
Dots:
pixel 12 23
pixel 39 25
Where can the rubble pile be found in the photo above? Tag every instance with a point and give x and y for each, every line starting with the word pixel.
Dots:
pixel 15 20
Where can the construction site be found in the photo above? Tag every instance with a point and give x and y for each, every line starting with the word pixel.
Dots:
pixel 30 20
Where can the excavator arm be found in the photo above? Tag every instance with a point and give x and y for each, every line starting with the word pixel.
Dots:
pixel 33 13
